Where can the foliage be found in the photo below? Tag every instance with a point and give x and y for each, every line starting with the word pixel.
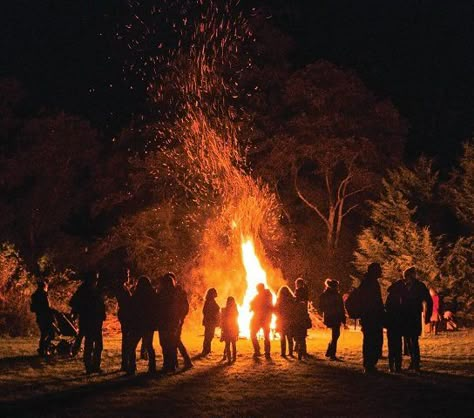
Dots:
pixel 394 239
pixel 459 190
pixel 15 291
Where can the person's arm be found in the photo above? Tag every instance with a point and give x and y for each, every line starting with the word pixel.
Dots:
pixel 429 304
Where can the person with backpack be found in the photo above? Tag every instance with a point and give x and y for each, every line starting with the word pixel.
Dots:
pixel 44 317
pixel 88 303
pixel 371 309
pixel 332 308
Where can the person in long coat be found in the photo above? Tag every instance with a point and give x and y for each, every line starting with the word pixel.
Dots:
pixel 210 319
pixel 416 295
pixel 331 306
pixel 372 317
pixel 285 318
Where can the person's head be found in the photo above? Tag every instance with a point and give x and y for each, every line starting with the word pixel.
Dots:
pixel 230 302
pixel 284 293
pixel 211 294
pixel 167 281
pixel 260 288
pixel 299 283
pixel 143 284
pixel 42 285
pixel 331 284
pixel 409 274
pixel 374 270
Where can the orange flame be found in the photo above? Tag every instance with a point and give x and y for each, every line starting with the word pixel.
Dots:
pixel 255 274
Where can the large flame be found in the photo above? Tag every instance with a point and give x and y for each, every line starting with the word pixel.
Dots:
pixel 255 274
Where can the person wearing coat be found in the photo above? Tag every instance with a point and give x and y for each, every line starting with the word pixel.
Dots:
pixel 230 329
pixel 417 294
pixel 44 317
pixel 210 320
pixel 88 303
pixel 372 317
pixel 143 322
pixel 285 312
pixel 262 308
pixel 331 306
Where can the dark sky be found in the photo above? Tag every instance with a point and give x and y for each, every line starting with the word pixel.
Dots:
pixel 418 53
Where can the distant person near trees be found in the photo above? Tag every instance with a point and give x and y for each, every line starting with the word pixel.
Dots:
pixel 285 318
pixel 44 317
pixel 210 319
pixel 435 316
pixel 332 308
pixel 372 317
pixel 416 294
pixel 230 329
pixel 87 302
pixel 262 308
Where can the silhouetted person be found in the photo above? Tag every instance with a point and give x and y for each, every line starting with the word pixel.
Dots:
pixel 285 315
pixel 372 317
pixel 417 293
pixel 301 295
pixel 143 323
pixel 230 329
pixel 331 306
pixel 262 308
pixel 435 316
pixel 394 320
pixel 168 322
pixel 125 317
pixel 182 311
pixel 44 317
pixel 89 305
pixel 210 319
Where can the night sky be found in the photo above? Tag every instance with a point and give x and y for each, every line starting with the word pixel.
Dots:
pixel 418 53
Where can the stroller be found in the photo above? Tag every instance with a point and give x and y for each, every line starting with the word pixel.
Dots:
pixel 65 334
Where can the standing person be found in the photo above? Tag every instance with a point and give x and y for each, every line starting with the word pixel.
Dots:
pixel 301 291
pixel 143 322
pixel 435 316
pixel 394 320
pixel 210 319
pixel 230 329
pixel 262 308
pixel 44 317
pixel 88 304
pixel 182 311
pixel 125 317
pixel 168 322
pixel 416 294
pixel 372 317
pixel 284 309
pixel 332 308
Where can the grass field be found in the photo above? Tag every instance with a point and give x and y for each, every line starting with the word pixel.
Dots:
pixel 58 387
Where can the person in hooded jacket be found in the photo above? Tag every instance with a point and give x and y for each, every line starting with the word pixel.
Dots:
pixel 331 306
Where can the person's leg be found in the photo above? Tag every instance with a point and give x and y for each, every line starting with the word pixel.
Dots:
pixel 234 350
pixel 415 349
pixel 391 341
pixel 131 351
pixel 283 338
pixel 253 337
pixel 397 351
pixel 208 336
pixel 97 348
pixel 290 344
pixel 336 332
pixel 88 347
pixel 147 343
pixel 266 336
pixel 370 349
pixel 227 351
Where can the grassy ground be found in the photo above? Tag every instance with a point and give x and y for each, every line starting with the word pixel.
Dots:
pixel 30 386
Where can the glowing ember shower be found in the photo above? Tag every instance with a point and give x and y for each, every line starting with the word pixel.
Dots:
pixel 255 274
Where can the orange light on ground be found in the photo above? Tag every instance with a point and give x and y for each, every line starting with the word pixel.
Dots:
pixel 255 274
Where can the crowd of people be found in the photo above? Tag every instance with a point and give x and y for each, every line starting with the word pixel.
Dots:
pixel 144 309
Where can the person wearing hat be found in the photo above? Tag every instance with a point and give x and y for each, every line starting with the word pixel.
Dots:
pixel 332 309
